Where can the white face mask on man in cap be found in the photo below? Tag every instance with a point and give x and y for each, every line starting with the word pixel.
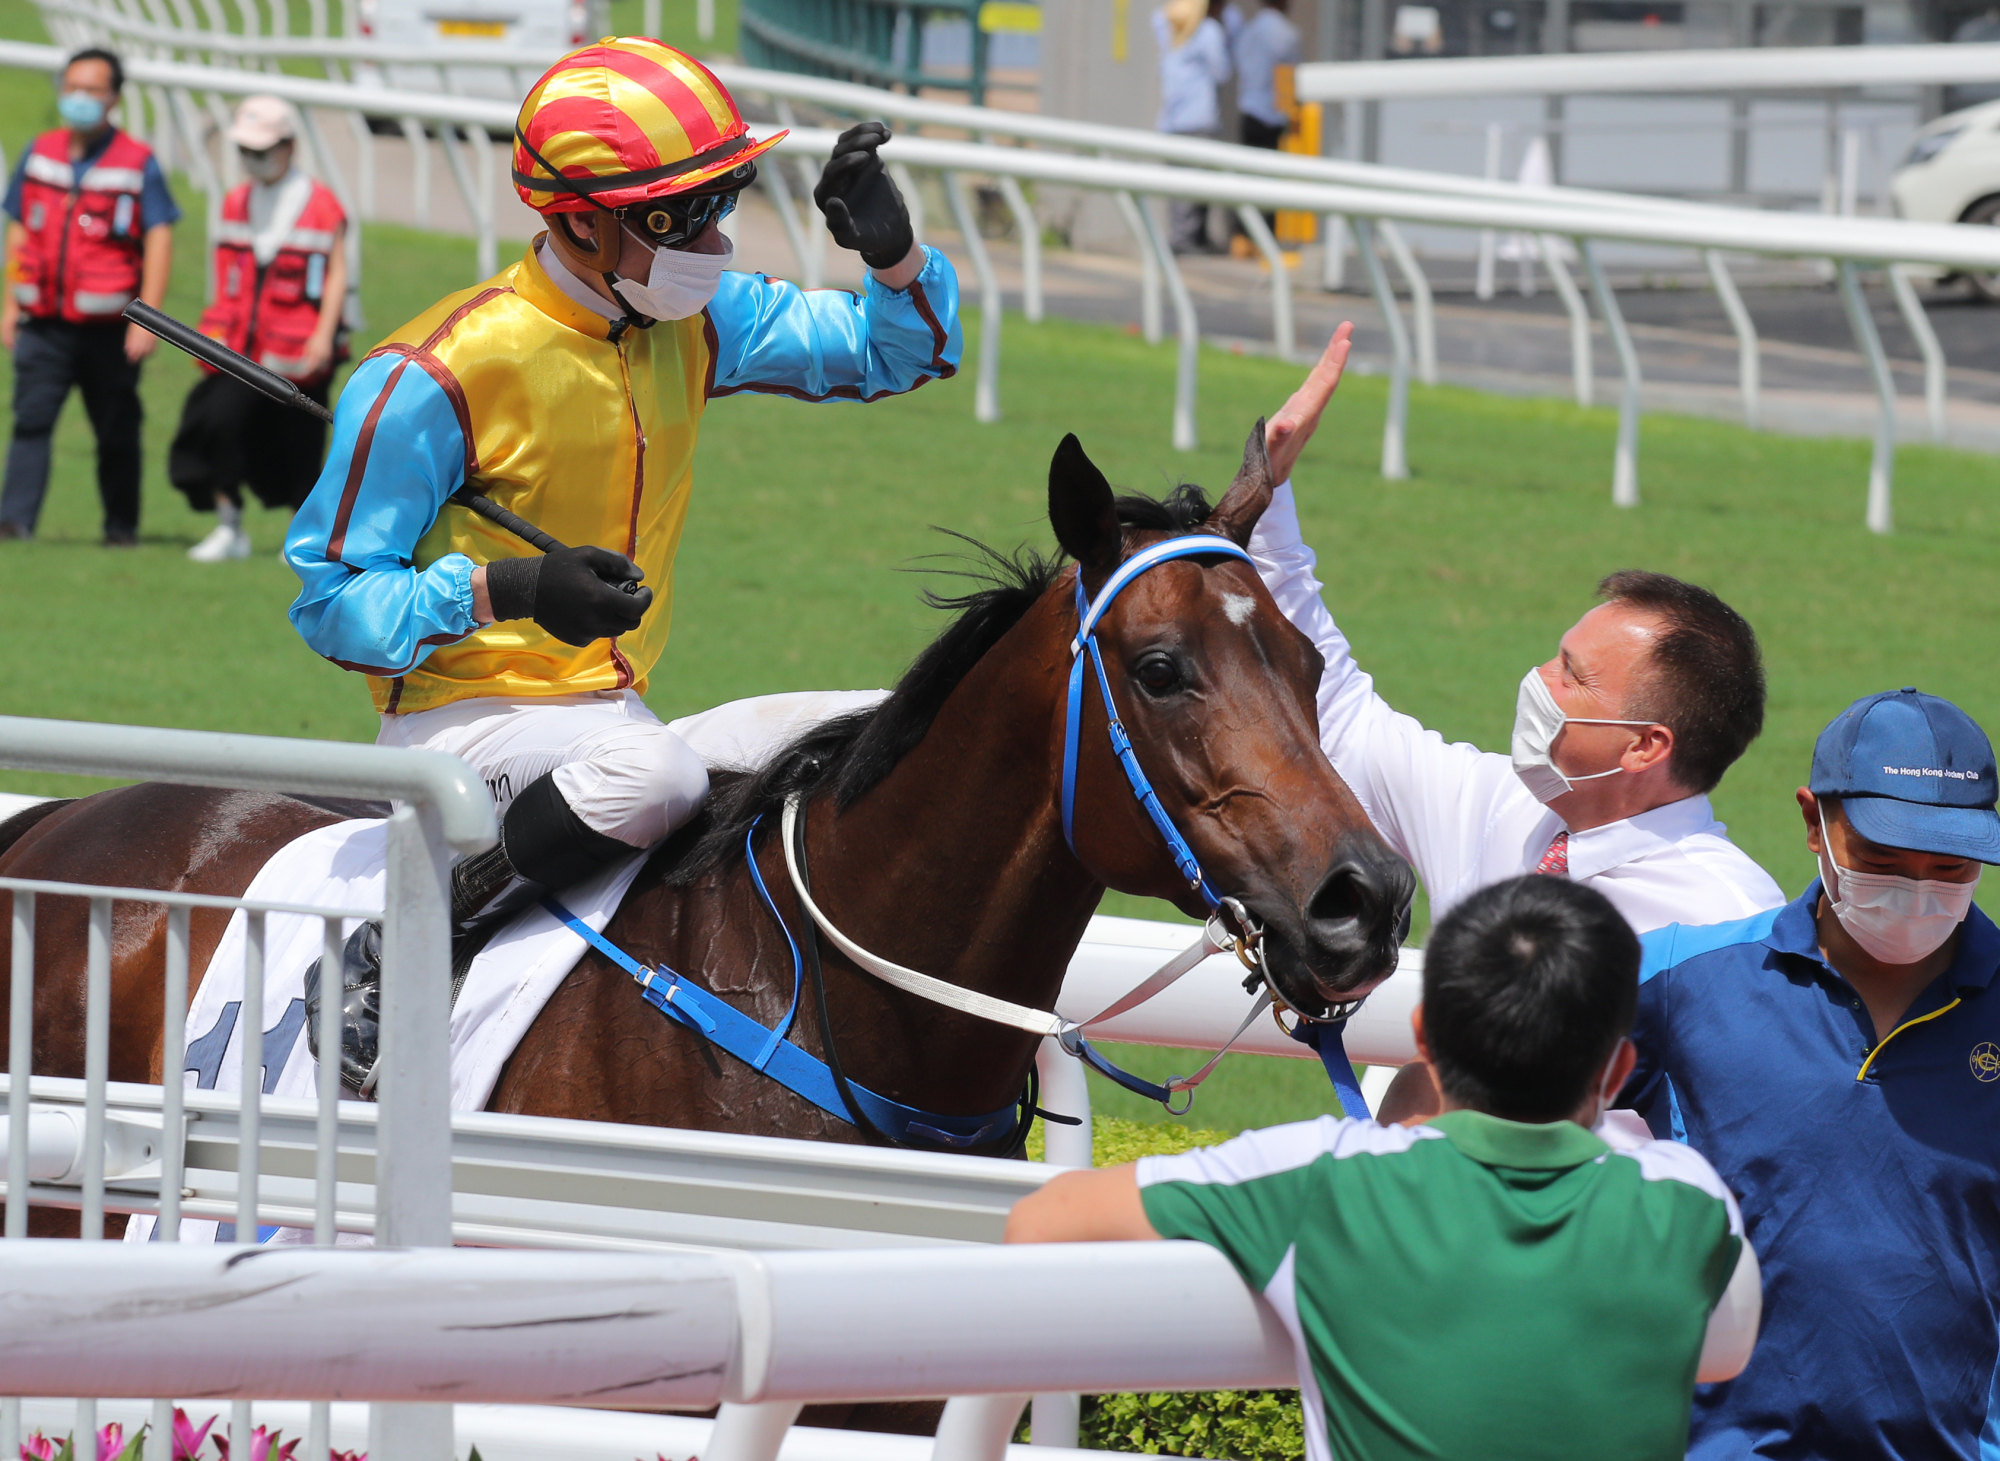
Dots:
pixel 266 166
pixel 1896 920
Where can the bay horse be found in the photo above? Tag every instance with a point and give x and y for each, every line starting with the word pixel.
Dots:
pixel 933 836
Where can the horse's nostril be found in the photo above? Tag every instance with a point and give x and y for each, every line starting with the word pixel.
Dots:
pixel 1350 894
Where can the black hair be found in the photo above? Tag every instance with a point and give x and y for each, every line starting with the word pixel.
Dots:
pixel 850 754
pixel 1706 683
pixel 1528 986
pixel 109 58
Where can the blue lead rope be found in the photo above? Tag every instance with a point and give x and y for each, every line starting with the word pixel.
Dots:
pixel 1328 1040
pixel 767 1050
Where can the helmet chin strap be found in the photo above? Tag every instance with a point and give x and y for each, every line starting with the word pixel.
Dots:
pixel 600 259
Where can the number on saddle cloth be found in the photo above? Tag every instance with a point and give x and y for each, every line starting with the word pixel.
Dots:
pixel 204 1055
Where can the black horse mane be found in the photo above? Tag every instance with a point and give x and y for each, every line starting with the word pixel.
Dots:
pixel 850 754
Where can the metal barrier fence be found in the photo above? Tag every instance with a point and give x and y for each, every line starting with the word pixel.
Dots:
pixel 63 1152
pixel 407 1173
pixel 1247 181
pixel 758 1334
pixel 1663 72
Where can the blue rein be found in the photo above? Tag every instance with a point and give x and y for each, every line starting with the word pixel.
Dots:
pixel 767 1050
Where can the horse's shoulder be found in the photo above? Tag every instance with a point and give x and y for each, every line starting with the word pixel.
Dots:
pixel 15 829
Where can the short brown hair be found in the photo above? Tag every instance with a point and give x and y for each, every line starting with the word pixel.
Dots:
pixel 1706 683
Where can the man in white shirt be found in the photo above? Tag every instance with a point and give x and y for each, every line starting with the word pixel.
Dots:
pixel 1618 738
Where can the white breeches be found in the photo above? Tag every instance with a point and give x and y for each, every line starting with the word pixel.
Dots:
pixel 622 771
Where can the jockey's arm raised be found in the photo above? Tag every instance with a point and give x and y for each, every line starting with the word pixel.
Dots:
pixel 367 607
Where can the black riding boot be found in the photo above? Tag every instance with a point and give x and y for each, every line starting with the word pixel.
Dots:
pixel 543 845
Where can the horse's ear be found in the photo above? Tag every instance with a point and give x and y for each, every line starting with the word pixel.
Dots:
pixel 1081 509
pixel 1248 495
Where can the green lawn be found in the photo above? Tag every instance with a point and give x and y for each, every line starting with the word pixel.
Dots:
pixel 1450 584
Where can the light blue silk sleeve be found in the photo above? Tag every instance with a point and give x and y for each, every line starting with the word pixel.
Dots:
pixel 398 452
pixel 829 345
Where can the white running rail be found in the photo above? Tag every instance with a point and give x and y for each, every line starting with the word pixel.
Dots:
pixel 758 1334
pixel 439 807
pixel 1701 72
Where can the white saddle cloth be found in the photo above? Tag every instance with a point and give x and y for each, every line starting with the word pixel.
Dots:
pixel 345 866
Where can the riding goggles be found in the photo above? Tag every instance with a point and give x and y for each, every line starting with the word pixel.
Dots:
pixel 677 220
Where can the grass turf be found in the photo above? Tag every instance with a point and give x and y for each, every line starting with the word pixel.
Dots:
pixel 1450 584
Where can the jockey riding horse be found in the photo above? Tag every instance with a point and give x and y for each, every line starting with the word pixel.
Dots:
pixel 569 389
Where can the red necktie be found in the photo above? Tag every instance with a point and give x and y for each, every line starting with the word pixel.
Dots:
pixel 1555 862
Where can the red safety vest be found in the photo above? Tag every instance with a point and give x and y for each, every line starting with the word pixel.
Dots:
pixel 80 260
pixel 269 313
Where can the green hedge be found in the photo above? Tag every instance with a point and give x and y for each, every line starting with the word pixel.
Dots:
pixel 1230 1425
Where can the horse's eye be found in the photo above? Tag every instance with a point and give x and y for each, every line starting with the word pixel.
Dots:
pixel 1159 673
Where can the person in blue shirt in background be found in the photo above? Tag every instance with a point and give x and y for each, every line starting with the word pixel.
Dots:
pixel 1838 1061
pixel 1194 63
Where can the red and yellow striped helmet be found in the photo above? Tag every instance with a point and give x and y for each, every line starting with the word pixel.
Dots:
pixel 622 121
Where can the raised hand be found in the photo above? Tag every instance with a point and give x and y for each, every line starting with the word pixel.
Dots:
pixel 864 210
pixel 1287 432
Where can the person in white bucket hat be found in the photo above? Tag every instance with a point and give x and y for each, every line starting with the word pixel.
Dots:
pixel 280 288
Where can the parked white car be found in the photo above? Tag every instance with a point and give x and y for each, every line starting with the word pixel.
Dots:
pixel 1951 174
pixel 545 28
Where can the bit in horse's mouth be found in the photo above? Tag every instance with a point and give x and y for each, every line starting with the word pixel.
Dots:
pixel 1313 992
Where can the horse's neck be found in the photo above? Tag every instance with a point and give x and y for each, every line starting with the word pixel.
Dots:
pixel 955 863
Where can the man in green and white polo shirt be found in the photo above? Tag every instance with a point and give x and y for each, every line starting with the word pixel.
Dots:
pixel 1502 1280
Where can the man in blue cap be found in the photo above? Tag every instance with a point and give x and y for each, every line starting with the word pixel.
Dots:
pixel 1838 1061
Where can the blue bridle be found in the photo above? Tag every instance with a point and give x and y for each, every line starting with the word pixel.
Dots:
pixel 768 1050
pixel 1084 646
pixel 1323 1037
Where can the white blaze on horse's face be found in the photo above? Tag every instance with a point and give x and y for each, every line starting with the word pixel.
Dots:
pixel 1238 608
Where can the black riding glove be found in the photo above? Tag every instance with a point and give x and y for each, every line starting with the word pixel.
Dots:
pixel 864 211
pixel 579 595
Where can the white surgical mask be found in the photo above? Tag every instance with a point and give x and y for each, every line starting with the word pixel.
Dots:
pixel 1897 920
pixel 679 284
pixel 1537 722
pixel 263 167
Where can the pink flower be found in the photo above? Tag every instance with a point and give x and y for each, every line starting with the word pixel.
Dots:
pixel 263 1446
pixel 111 1444
pixel 188 1440
pixel 39 1447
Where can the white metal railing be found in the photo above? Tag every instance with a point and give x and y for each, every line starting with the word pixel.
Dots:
pixel 1070 134
pixel 541 1182
pixel 439 806
pixel 758 1334
pixel 1338 190
pixel 96 1147
pixel 1704 72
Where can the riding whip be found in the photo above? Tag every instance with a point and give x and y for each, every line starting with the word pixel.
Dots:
pixel 269 383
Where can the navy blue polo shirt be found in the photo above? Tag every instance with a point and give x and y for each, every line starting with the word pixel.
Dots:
pixel 1869 1178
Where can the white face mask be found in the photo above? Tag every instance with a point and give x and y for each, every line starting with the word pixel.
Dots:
pixel 1537 722
pixel 679 284
pixel 1897 920
pixel 263 167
